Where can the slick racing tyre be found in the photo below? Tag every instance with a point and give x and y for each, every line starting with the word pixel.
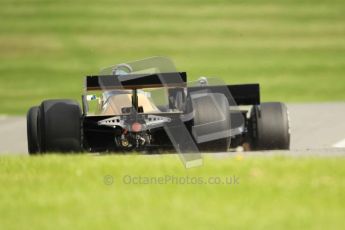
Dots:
pixel 270 127
pixel 211 118
pixel 60 126
pixel 31 128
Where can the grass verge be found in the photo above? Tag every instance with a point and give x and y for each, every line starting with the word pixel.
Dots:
pixel 90 192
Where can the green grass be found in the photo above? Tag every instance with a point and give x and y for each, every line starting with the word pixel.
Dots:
pixel 295 49
pixel 68 192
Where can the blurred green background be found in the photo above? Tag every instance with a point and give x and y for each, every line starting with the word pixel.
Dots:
pixel 295 49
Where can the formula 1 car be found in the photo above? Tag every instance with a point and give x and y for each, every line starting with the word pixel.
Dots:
pixel 148 106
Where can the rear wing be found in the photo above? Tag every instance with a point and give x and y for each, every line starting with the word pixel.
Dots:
pixel 246 94
pixel 136 81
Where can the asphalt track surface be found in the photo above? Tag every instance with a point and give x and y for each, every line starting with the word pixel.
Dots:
pixel 316 129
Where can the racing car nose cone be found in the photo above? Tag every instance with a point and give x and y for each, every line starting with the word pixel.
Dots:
pixel 136 127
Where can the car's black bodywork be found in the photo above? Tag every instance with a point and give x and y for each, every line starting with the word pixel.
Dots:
pixel 204 117
pixel 101 138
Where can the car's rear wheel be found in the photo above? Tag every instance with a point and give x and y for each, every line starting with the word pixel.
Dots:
pixel 31 129
pixel 60 126
pixel 212 119
pixel 270 127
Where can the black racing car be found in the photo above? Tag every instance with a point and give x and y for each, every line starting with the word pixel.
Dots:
pixel 149 106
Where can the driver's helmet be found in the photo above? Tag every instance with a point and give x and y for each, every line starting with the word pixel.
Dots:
pixel 121 69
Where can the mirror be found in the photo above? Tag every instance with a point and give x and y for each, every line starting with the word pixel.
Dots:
pixel 91 97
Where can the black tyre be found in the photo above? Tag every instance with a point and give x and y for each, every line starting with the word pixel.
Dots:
pixel 60 126
pixel 212 118
pixel 270 127
pixel 31 129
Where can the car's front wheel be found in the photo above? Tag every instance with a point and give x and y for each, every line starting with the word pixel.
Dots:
pixel 31 128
